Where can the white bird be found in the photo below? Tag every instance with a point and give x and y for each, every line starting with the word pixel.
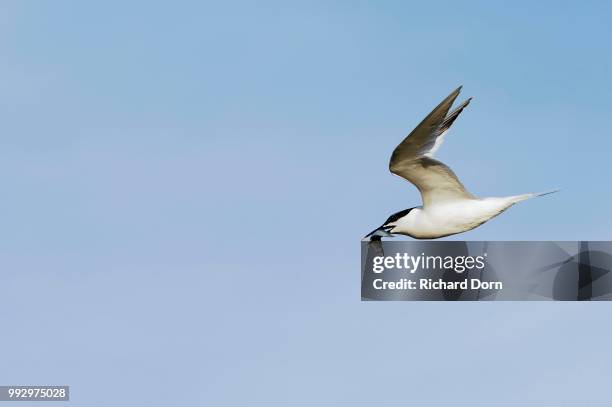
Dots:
pixel 448 207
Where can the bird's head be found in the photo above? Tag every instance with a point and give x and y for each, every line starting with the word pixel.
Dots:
pixel 386 229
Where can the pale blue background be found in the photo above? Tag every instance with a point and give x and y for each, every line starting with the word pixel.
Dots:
pixel 184 187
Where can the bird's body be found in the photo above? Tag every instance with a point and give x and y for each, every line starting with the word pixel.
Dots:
pixel 451 217
pixel 448 208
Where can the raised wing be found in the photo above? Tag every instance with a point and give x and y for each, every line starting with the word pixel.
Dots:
pixel 413 158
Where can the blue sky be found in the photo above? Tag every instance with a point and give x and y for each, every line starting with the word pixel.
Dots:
pixel 185 186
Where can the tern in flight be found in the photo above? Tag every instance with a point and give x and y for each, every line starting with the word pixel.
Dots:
pixel 448 208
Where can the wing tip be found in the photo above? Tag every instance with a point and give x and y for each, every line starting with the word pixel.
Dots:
pixel 449 100
pixel 457 91
pixel 466 102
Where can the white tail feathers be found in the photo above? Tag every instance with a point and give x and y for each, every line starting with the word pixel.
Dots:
pixel 519 198
pixel 547 192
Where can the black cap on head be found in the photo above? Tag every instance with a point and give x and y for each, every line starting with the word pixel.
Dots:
pixel 396 216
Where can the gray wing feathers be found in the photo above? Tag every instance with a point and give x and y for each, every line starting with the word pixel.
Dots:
pixel 422 133
pixel 412 158
pixel 452 116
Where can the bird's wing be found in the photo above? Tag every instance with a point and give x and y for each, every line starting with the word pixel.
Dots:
pixel 413 158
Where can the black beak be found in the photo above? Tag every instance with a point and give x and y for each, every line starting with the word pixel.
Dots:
pixel 376 234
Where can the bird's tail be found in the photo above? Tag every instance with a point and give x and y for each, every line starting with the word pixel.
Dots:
pixel 523 197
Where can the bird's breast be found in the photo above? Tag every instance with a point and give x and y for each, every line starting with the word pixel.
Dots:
pixel 447 218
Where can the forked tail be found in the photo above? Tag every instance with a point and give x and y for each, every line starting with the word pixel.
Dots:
pixel 519 198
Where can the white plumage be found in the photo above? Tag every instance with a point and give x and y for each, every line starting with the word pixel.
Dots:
pixel 448 207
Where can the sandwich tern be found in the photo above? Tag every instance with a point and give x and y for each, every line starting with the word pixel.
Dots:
pixel 448 207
